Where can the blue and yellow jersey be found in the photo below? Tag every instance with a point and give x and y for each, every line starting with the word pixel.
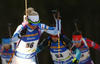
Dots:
pixel 26 50
pixel 6 54
pixel 65 53
pixel 65 46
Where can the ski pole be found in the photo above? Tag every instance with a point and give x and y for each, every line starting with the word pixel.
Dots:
pixel 21 37
pixel 58 15
pixel 26 10
pixel 76 20
pixel 9 29
pixel 9 25
pixel 13 53
pixel 76 27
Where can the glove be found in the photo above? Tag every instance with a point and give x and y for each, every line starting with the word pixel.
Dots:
pixel 23 32
pixel 75 61
pixel 55 13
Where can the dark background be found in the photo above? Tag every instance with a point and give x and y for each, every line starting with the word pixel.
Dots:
pixel 87 12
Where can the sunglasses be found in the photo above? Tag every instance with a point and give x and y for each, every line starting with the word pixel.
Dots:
pixel 76 41
pixel 53 36
pixel 35 22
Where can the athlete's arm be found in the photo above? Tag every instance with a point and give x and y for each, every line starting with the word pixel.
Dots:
pixel 48 29
pixel 91 43
pixel 41 46
pixel 72 47
pixel 15 37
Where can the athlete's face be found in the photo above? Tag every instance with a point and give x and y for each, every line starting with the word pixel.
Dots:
pixel 77 39
pixel 77 43
pixel 54 37
pixel 32 27
pixel 7 47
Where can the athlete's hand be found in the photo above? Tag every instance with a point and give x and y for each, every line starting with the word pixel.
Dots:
pixel 23 32
pixel 56 14
pixel 75 61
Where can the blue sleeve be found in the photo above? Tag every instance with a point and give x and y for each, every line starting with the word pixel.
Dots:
pixel 15 37
pixel 50 30
pixel 18 30
pixel 85 38
pixel 78 54
pixel 43 26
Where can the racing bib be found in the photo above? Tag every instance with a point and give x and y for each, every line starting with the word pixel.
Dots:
pixel 63 55
pixel 26 50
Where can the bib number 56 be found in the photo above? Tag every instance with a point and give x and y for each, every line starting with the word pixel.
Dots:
pixel 29 45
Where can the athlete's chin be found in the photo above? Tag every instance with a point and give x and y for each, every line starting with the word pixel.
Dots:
pixel 32 28
pixel 77 46
pixel 55 41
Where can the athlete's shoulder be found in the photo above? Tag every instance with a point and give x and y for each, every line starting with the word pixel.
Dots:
pixel 86 39
pixel 47 39
pixel 39 24
pixel 63 35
